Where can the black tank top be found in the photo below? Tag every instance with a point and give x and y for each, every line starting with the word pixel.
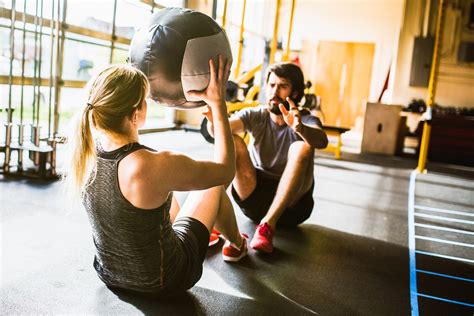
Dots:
pixel 136 249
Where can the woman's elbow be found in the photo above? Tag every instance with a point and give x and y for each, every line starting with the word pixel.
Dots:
pixel 224 174
pixel 229 173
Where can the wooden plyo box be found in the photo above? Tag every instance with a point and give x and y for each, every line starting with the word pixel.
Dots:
pixel 381 129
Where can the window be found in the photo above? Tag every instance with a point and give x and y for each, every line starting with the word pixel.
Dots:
pixel 88 46
pixel 91 14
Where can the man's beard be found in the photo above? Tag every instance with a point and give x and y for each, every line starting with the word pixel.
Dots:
pixel 275 107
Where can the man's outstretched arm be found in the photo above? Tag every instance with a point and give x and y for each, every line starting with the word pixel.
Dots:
pixel 313 135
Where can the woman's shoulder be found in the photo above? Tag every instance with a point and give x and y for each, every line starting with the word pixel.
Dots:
pixel 146 160
pixel 143 177
pixel 160 168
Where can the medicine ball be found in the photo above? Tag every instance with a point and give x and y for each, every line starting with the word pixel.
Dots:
pixel 173 50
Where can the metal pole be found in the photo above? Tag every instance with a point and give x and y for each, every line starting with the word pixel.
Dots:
pixel 40 61
pixel 8 125
pixel 286 56
pixel 21 126
pixel 23 63
pixel 57 81
pixel 8 139
pixel 224 14
pixel 425 139
pixel 274 42
pixel 51 59
pixel 114 38
pixel 214 9
pixel 35 130
pixel 59 56
pixel 12 52
pixel 241 42
pixel 35 67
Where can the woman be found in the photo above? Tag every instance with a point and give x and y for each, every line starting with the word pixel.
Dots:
pixel 145 242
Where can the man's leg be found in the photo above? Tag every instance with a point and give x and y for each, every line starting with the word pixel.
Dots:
pixel 295 181
pixel 245 176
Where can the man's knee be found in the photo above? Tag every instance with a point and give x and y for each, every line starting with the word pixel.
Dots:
pixel 300 151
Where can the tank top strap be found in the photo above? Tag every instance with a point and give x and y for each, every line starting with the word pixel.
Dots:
pixel 122 152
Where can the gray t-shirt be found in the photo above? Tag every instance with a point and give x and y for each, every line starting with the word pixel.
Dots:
pixel 270 142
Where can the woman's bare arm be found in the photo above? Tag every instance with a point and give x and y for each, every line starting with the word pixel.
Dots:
pixel 149 176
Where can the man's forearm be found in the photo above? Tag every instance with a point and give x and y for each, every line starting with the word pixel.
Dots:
pixel 313 136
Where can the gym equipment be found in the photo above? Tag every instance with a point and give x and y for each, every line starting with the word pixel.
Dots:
pixel 241 42
pixel 39 146
pixel 336 132
pixel 424 147
pixel 310 101
pixel 417 106
pixel 204 132
pixel 232 91
pixel 173 50
pixel 383 132
pixel 286 56
pixel 9 111
pixel 21 125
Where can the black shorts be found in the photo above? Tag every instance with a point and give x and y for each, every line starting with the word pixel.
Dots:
pixel 257 204
pixel 195 239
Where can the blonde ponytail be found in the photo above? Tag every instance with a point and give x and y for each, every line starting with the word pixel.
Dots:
pixel 82 154
pixel 114 94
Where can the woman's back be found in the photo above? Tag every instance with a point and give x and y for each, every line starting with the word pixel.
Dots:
pixel 136 248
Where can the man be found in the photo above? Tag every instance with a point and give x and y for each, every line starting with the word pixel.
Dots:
pixel 274 176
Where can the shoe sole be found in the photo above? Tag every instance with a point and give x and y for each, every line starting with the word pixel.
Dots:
pixel 212 243
pixel 233 259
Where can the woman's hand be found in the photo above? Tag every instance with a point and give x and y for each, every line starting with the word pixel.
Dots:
pixel 292 117
pixel 214 94
pixel 208 114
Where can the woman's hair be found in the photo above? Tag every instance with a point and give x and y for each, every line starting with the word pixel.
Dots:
pixel 113 95
pixel 292 73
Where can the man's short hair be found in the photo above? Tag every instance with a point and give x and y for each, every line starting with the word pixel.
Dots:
pixel 292 73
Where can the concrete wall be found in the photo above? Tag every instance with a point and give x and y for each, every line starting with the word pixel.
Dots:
pixel 366 21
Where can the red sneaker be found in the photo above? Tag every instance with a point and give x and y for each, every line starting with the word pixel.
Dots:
pixel 232 253
pixel 263 238
pixel 214 238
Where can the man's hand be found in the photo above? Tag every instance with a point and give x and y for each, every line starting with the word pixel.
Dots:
pixel 292 117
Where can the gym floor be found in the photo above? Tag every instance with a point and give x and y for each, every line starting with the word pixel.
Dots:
pixel 379 242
